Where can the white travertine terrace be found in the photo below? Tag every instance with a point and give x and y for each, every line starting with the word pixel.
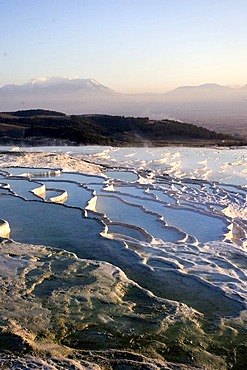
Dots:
pixel 42 173
pixel 59 198
pixel 4 186
pixel 64 161
pixel 40 191
pixel 4 229
pixel 154 266
pixel 91 206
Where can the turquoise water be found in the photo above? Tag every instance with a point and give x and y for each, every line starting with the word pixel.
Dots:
pixel 128 273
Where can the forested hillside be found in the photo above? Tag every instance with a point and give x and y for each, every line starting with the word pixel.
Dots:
pixel 39 127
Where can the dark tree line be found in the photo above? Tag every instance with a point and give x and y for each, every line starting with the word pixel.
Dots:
pixel 35 112
pixel 100 129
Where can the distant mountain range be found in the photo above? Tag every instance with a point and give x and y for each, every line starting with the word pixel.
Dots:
pixel 214 106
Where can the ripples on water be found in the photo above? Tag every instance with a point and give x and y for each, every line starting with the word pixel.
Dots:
pixel 150 257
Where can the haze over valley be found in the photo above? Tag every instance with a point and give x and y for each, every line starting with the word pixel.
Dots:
pixel 216 107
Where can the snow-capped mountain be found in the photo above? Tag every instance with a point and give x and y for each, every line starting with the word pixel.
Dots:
pixel 58 85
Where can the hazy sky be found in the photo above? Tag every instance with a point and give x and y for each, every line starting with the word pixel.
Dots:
pixel 128 45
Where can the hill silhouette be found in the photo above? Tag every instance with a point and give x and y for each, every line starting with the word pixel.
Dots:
pixel 44 127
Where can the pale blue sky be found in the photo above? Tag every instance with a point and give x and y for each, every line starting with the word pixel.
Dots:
pixel 128 45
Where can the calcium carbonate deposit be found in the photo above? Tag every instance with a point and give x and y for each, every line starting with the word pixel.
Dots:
pixel 123 258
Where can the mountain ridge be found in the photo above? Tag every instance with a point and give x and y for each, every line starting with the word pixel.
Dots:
pixel 55 80
pixel 57 84
pixel 217 107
